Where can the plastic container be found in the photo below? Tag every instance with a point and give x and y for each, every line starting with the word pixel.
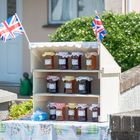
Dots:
pixel 52 84
pixel 91 58
pixel 63 60
pixel 49 59
pixel 69 83
pixel 72 112
pixel 76 60
pixel 84 84
pixel 52 111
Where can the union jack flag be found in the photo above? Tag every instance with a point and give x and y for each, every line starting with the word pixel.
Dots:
pixel 98 28
pixel 10 28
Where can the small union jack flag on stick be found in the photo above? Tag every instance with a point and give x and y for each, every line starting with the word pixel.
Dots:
pixel 98 28
pixel 11 28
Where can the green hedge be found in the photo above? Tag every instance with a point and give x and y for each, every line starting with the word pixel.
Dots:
pixel 122 40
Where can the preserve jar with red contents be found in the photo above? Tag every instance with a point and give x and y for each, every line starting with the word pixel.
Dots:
pixel 91 58
pixel 82 112
pixel 52 84
pixel 84 84
pixel 95 109
pixel 69 83
pixel 60 111
pixel 72 113
pixel 76 60
pixel 52 110
pixel 49 59
pixel 63 60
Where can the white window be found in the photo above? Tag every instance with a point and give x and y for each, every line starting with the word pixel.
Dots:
pixel 61 11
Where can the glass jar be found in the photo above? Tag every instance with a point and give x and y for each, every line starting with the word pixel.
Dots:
pixel 91 60
pixel 49 59
pixel 69 83
pixel 52 110
pixel 76 60
pixel 60 111
pixel 63 60
pixel 52 84
pixel 82 112
pixel 84 85
pixel 72 113
pixel 95 112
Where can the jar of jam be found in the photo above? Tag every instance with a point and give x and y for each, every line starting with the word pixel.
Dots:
pixel 82 112
pixel 69 83
pixel 52 110
pixel 63 60
pixel 91 60
pixel 60 111
pixel 49 59
pixel 84 84
pixel 52 84
pixel 72 113
pixel 76 60
pixel 95 112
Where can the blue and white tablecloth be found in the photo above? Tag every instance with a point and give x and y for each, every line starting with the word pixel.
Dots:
pixel 48 130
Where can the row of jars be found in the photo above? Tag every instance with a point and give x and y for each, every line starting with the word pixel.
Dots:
pixel 84 84
pixel 73 112
pixel 76 58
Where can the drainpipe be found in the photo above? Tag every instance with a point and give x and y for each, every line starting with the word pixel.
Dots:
pixel 129 5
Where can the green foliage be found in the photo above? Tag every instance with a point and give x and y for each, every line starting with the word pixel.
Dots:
pixel 122 40
pixel 17 110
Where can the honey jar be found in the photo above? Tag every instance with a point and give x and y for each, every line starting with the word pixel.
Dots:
pixel 60 111
pixel 84 84
pixel 63 60
pixel 72 113
pixel 95 112
pixel 52 110
pixel 49 59
pixel 52 84
pixel 69 83
pixel 76 60
pixel 91 58
pixel 82 112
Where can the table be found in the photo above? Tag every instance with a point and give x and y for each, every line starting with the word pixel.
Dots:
pixel 50 130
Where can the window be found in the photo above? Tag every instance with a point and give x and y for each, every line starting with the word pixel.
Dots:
pixel 63 10
pixel 11 8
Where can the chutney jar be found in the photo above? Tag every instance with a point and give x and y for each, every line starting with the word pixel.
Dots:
pixel 52 84
pixel 69 84
pixel 82 112
pixel 60 111
pixel 63 60
pixel 52 111
pixel 95 109
pixel 91 60
pixel 76 60
pixel 49 59
pixel 84 84
pixel 72 112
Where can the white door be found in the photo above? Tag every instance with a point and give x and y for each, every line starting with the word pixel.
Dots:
pixel 11 51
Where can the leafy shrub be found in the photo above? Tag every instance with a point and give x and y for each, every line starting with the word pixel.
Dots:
pixel 122 40
pixel 17 110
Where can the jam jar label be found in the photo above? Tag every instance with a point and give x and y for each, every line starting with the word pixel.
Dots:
pixel 74 61
pixel 48 61
pixel 94 114
pixel 68 85
pixel 71 112
pixel 88 62
pixel 81 112
pixel 62 61
pixel 81 87
pixel 52 111
pixel 52 85
pixel 58 112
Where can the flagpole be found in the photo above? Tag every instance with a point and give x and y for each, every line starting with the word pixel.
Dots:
pixel 23 29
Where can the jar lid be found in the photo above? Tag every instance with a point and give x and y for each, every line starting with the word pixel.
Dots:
pixel 84 78
pixel 53 78
pixel 76 54
pixel 59 105
pixel 63 54
pixel 83 106
pixel 68 78
pixel 71 105
pixel 48 53
pixel 89 54
pixel 93 106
